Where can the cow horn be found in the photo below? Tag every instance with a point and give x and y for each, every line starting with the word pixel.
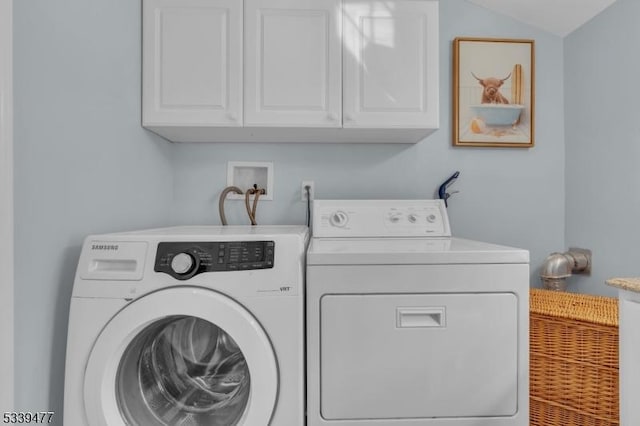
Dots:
pixel 506 78
pixel 477 78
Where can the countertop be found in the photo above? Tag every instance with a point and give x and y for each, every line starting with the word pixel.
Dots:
pixel 629 284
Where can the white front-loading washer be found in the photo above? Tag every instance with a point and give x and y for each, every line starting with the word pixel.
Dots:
pixel 188 326
pixel 407 326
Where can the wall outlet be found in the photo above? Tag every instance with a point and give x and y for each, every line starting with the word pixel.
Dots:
pixel 303 193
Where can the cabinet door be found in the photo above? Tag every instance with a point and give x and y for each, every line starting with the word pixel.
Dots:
pixel 192 62
pixel 391 64
pixel 292 63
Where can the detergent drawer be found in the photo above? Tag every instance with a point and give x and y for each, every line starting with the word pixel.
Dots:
pixel 411 356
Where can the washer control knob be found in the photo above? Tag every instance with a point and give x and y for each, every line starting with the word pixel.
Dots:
pixel 339 219
pixel 395 218
pixel 412 218
pixel 431 218
pixel 182 263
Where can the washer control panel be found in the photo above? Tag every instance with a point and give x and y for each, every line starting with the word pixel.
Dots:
pixel 184 260
pixel 380 218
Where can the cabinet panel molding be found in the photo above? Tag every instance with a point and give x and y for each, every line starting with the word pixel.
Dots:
pixel 192 62
pixel 377 94
pixel 292 63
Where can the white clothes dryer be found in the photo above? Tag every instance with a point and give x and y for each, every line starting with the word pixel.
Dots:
pixel 188 326
pixel 407 326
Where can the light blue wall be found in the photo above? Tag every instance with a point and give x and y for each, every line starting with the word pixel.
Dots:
pixel 602 70
pixel 507 196
pixel 84 165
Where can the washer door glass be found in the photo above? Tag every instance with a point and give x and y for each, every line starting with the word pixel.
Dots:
pixel 181 356
pixel 183 371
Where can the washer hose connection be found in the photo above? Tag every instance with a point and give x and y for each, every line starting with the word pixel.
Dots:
pixel 256 192
pixel 251 210
pixel 221 200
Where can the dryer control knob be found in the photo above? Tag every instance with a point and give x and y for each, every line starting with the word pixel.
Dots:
pixel 182 263
pixel 395 218
pixel 339 219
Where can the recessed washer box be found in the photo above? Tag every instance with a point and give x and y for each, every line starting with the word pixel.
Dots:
pixel 244 174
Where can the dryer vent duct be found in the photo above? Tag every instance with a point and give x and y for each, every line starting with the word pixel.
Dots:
pixel 557 267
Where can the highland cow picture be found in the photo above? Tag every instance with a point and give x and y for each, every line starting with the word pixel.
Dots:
pixel 493 92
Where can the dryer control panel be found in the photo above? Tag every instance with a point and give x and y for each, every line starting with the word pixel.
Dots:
pixel 380 218
pixel 184 260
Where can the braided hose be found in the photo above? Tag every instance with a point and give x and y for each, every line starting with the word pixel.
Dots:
pixel 252 211
pixel 221 200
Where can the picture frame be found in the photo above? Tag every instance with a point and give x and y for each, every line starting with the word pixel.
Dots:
pixel 493 92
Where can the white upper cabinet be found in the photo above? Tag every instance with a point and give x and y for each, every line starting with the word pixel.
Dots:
pixel 390 57
pixel 192 62
pixel 292 54
pixel 291 70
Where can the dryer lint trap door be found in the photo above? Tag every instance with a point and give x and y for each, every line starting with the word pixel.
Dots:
pixel 418 356
pixel 183 356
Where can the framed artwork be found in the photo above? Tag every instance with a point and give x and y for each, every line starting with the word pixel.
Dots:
pixel 493 92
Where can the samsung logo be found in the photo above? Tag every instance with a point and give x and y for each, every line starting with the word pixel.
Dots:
pixel 104 247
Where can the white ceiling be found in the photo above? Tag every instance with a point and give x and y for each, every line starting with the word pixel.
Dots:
pixel 559 17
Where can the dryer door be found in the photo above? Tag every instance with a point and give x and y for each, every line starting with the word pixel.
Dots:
pixel 181 356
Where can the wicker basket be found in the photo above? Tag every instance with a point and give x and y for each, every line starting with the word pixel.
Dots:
pixel 574 359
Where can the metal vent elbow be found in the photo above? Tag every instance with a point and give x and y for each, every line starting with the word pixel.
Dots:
pixel 557 267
